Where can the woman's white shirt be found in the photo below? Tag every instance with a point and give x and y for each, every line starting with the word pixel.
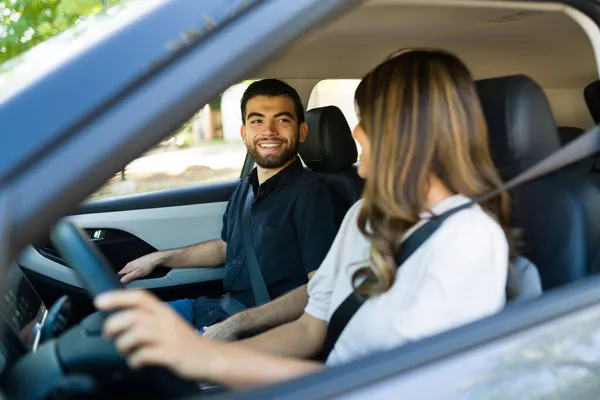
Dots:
pixel 457 276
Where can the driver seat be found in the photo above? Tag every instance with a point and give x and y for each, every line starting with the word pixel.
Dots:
pixel 558 213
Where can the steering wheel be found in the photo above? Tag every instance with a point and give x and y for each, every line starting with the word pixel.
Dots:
pixel 97 277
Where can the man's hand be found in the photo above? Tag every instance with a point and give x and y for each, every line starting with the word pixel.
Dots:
pixel 140 267
pixel 226 331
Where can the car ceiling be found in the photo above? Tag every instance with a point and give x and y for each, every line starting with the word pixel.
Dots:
pixel 548 46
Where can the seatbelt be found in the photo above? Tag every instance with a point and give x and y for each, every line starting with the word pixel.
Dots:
pixel 259 287
pixel 350 306
pixel 586 145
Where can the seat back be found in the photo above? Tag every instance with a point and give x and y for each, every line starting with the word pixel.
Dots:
pixel 330 151
pixel 566 135
pixel 591 93
pixel 559 214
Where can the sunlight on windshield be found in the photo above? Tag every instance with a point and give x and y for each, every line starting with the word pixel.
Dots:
pixel 47 56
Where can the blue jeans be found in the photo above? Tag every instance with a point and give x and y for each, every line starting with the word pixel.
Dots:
pixel 185 308
pixel 201 312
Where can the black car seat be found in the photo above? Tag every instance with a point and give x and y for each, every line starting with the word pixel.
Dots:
pixel 559 213
pixel 330 151
pixel 567 134
pixel 591 93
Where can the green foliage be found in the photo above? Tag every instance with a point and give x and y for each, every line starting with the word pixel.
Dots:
pixel 26 23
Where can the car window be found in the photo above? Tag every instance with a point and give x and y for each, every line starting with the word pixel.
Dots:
pixel 26 24
pixel 207 148
pixel 336 92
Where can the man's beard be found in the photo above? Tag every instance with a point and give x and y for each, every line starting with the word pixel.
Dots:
pixel 271 161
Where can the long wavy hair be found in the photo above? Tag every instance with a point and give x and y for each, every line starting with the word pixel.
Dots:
pixel 422 114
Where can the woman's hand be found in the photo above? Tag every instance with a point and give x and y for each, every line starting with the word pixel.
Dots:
pixel 148 332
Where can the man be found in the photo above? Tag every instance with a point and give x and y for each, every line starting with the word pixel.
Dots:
pixel 293 224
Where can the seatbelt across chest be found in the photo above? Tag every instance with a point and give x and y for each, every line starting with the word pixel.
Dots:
pixel 259 287
pixel 350 306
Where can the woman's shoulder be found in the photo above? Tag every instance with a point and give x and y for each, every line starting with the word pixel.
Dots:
pixel 472 225
pixel 470 246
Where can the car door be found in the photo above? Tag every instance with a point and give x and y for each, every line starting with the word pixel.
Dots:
pixel 548 349
pixel 171 197
pixel 125 229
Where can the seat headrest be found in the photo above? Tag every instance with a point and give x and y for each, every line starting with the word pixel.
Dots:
pixel 591 94
pixel 329 146
pixel 522 129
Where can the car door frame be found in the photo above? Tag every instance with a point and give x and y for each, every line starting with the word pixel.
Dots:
pixel 34 217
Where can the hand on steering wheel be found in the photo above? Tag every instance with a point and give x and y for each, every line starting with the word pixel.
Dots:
pixel 149 332
pixel 98 277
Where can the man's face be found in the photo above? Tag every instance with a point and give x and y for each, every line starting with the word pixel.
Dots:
pixel 271 131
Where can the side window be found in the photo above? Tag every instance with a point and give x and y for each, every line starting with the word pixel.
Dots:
pixel 336 92
pixel 207 148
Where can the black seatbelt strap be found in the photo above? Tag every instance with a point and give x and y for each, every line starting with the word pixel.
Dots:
pixel 259 287
pixel 344 313
pixel 586 145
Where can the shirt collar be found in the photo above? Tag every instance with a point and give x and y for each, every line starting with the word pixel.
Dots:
pixel 277 181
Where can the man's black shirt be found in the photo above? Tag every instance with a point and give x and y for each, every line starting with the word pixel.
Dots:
pixel 294 222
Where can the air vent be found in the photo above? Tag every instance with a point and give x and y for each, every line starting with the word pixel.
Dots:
pixel 515 17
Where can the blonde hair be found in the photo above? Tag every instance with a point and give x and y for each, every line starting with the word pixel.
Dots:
pixel 422 114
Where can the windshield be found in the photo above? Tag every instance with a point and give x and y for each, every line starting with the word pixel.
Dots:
pixel 47 56
pixel 64 80
pixel 25 69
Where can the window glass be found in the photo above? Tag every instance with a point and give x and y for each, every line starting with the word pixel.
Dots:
pixel 207 148
pixel 336 92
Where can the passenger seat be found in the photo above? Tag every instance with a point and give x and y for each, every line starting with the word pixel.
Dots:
pixel 559 212
pixel 330 151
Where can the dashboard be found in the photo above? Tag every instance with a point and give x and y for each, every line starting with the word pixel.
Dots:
pixel 23 314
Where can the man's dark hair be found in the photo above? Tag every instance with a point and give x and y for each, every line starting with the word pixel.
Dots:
pixel 272 88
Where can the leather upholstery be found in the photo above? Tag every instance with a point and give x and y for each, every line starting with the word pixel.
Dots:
pixel 591 93
pixel 520 121
pixel 581 167
pixel 567 134
pixel 330 151
pixel 591 169
pixel 559 213
pixel 329 146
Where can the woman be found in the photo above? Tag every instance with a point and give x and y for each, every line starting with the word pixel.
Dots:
pixel 424 150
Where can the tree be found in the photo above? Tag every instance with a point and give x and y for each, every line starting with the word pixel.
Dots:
pixel 26 23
